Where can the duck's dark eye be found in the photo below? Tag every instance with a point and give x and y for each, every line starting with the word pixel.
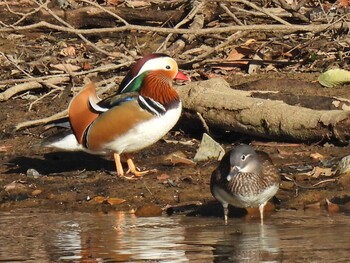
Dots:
pixel 167 67
pixel 243 157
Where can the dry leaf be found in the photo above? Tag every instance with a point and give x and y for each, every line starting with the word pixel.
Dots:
pixel 99 199
pixel 343 3
pixel 66 67
pixel 36 192
pixel 148 211
pixel 332 207
pixel 235 55
pixel 189 142
pixel 313 206
pixel 320 171
pixel 5 148
pixel 87 66
pixel 109 200
pixel 178 158
pixel 317 156
pixel 15 186
pixel 249 42
pixel 286 54
pixel 68 51
pixel 137 3
pixel 114 2
pixel 115 200
pixel 212 75
pixel 26 2
pixel 163 177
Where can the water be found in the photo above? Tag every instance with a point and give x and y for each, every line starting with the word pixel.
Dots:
pixel 286 236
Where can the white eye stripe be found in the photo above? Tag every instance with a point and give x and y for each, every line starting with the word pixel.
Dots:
pixel 153 64
pixel 157 63
pixel 244 157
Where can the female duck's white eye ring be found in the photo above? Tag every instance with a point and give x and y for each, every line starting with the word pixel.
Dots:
pixel 243 157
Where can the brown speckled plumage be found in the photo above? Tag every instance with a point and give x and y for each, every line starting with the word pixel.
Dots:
pixel 244 178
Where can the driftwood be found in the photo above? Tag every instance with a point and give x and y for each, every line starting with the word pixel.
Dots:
pixel 236 110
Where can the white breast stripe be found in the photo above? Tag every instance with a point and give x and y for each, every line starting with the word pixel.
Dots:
pixel 150 108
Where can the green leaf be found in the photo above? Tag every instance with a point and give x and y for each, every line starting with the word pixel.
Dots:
pixel 334 77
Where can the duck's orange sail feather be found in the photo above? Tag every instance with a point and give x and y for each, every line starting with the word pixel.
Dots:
pixel 80 112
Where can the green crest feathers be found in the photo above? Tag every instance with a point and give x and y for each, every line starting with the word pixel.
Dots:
pixel 135 84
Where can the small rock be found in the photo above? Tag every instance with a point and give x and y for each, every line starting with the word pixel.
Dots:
pixel 33 173
pixel 209 149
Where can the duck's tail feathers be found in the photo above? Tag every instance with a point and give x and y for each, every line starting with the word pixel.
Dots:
pixel 64 140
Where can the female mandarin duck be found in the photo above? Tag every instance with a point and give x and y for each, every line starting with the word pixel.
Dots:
pixel 145 109
pixel 244 179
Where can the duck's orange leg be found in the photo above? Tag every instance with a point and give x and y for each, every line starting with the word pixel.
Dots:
pixel 118 164
pixel 133 169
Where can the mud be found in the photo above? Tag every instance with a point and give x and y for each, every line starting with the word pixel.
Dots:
pixel 84 182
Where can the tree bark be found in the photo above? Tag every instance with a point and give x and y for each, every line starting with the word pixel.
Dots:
pixel 236 110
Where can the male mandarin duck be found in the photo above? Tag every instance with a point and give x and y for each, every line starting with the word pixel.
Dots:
pixel 244 178
pixel 145 109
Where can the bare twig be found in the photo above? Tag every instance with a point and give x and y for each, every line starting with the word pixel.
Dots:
pixel 24 16
pixel 204 31
pixel 197 6
pixel 106 10
pixel 29 86
pixel 15 64
pixel 232 38
pixel 294 11
pixel 263 10
pixel 44 96
pixel 204 123
pixel 324 181
pixel 232 15
pixel 31 123
pixel 80 35
pixel 103 68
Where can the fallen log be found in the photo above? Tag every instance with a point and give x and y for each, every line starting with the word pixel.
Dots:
pixel 89 16
pixel 236 110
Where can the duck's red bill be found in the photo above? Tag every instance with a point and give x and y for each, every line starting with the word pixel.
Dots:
pixel 182 76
